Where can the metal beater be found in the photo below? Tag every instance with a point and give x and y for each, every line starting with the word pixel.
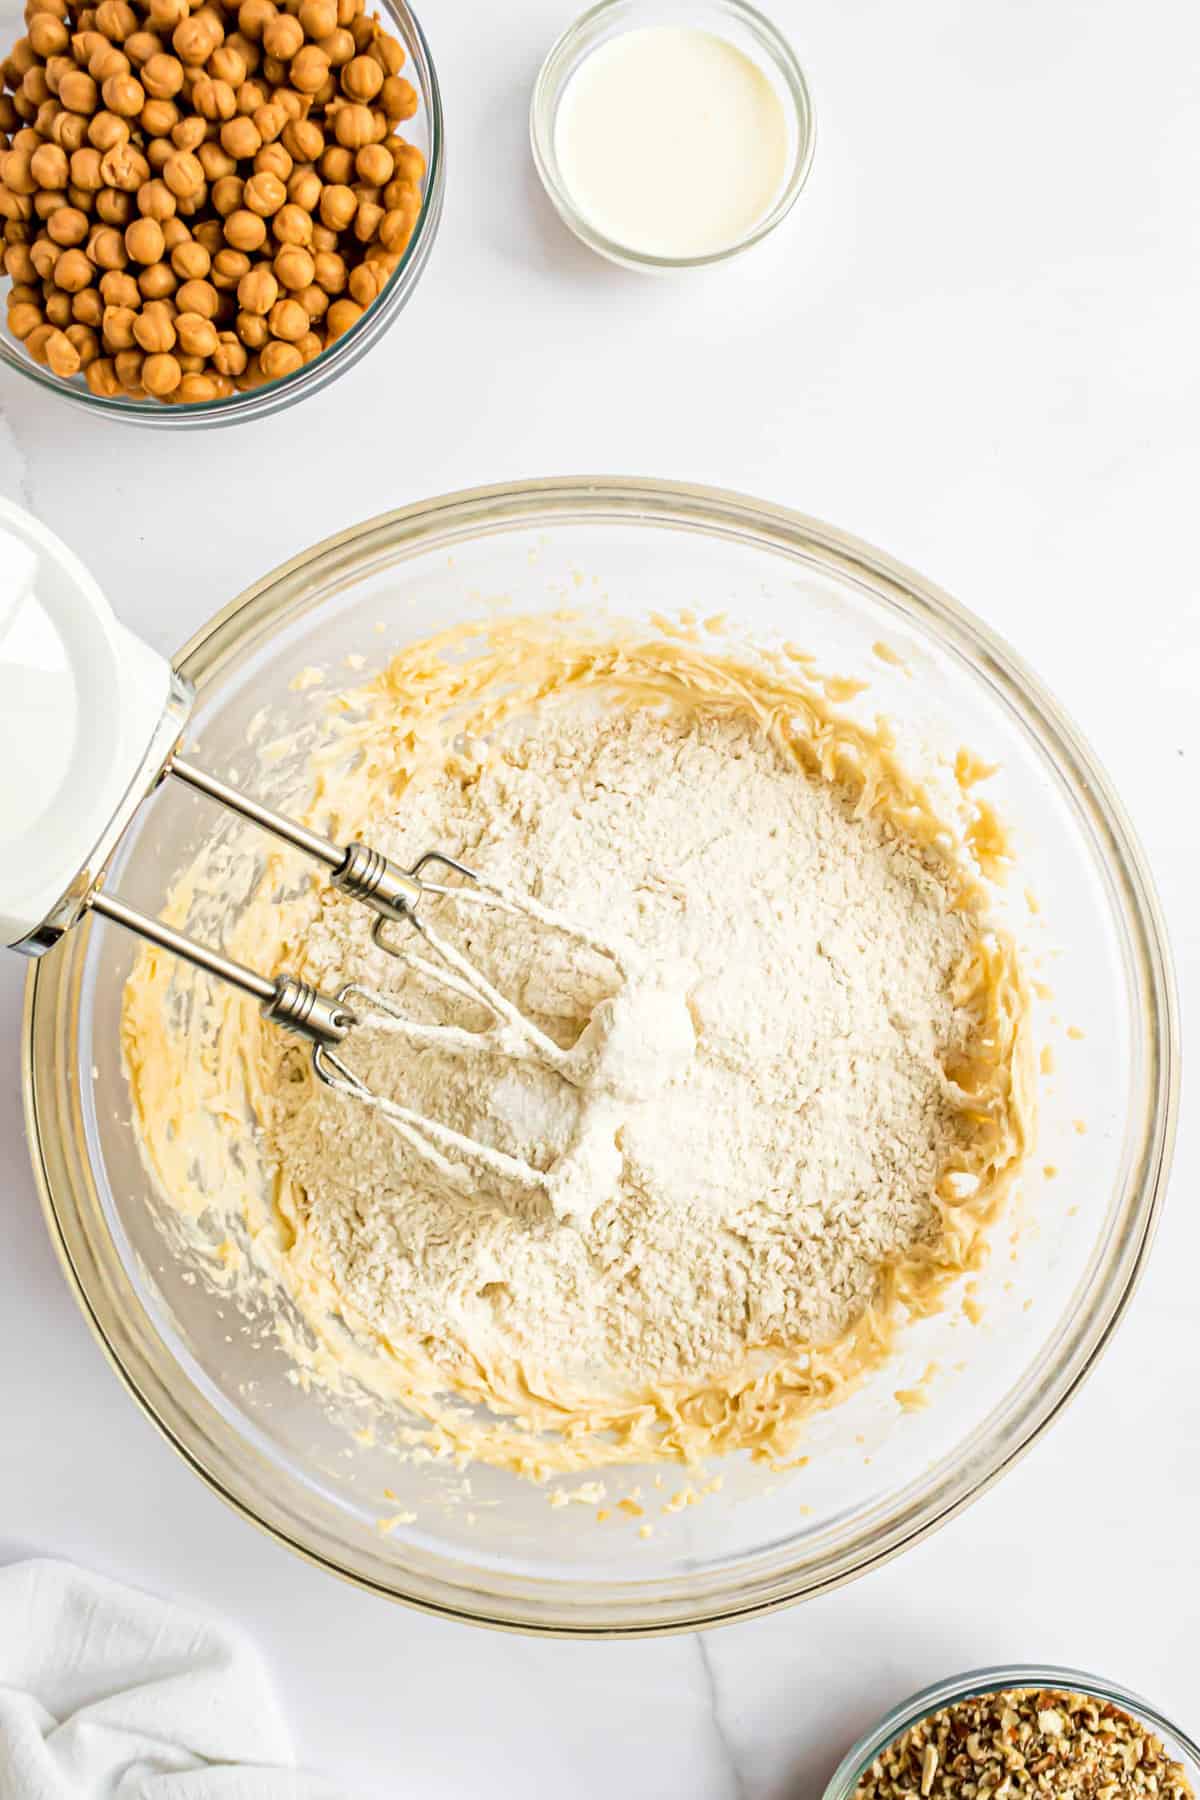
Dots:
pixel 90 723
pixel 392 893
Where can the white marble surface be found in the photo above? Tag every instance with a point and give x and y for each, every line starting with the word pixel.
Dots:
pixel 973 343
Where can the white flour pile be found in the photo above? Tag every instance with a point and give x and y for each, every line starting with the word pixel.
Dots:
pixel 796 1116
pixel 778 1098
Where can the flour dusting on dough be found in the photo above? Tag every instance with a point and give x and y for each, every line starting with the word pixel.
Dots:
pixel 792 1077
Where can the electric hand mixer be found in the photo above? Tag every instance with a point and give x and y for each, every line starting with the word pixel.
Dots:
pixel 90 724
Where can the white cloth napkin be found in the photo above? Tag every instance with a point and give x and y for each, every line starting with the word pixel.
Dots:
pixel 109 1694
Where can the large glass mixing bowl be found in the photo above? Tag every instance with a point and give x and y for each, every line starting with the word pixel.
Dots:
pixel 878 1476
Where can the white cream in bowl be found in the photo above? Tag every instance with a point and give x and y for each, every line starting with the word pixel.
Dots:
pixel 672 142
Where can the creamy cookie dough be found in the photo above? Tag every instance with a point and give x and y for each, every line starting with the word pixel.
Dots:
pixel 788 1079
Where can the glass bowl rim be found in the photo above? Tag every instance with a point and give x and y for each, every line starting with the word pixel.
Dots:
pixel 548 89
pixel 338 357
pixel 51 999
pixel 991 1680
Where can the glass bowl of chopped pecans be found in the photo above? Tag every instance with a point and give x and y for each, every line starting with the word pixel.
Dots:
pixel 1004 1733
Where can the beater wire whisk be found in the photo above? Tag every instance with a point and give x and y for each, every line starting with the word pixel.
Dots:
pixel 363 873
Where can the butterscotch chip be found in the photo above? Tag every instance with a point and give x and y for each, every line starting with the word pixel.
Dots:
pixel 338 206
pixel 228 64
pixel 252 329
pixel 23 318
pixel 190 260
pixel 228 268
pixel 37 340
pixel 339 47
pixel 87 307
pixel 116 19
pixel 161 374
pixel 277 359
pixel 156 201
pixel 373 164
pixel 78 92
pixel 102 378
pixel 288 320
pixel 367 220
pixel 398 98
pixel 303 139
pixel 67 226
pixel 314 300
pixel 257 290
pixel 84 169
pixel 197 336
pixel 354 126
pixel 198 387
pixel 294 267
pixel 119 289
pixel 309 70
pixel 144 241
pixel 199 297
pixel 156 281
pixel 264 194
pixel 254 16
pixel 153 329
pixel 341 316
pixel 230 356
pixel 362 79
pixel 183 174
pixel 158 119
pixel 292 225
pixel 140 46
pixel 282 36
pixel 368 281
pixel 48 166
pixel 304 191
pixel 86 342
pixel 226 196
pixel 73 271
pixel 129 365
pixel 215 160
pixel 273 159
pixel 124 95
pixel 105 130
pixel 189 134
pixel 162 76
pixel 194 39
pixel 329 271
pixel 245 230
pixel 241 138
pixel 318 18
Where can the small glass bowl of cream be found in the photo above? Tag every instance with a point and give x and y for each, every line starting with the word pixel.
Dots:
pixel 671 134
